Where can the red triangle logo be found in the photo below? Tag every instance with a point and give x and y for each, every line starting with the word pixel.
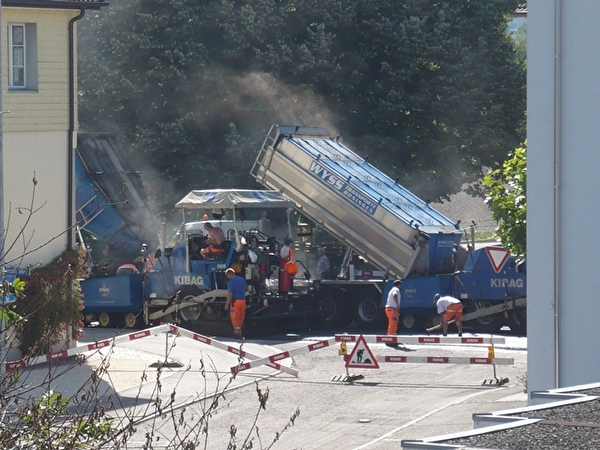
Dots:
pixel 361 356
pixel 497 257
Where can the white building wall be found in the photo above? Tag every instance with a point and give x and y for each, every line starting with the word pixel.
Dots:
pixel 35 141
pixel 563 181
pixel 43 155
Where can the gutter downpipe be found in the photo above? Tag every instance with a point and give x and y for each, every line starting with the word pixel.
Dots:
pixel 557 186
pixel 71 145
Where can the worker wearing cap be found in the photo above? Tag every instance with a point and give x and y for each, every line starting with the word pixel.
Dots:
pixel 287 260
pixel 236 301
pixel 449 308
pixel 392 308
pixel 286 249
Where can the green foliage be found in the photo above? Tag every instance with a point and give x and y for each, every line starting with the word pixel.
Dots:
pixel 50 414
pixel 52 302
pixel 505 189
pixel 430 90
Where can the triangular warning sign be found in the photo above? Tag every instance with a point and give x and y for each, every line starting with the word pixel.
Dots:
pixel 361 356
pixel 497 256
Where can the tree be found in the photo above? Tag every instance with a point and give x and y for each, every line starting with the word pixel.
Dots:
pixel 506 188
pixel 430 90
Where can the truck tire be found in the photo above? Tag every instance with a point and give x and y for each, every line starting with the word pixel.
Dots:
pixel 335 312
pixel 130 320
pixel 517 321
pixel 432 321
pixel 192 313
pixel 105 319
pixel 367 313
pixel 489 323
pixel 412 323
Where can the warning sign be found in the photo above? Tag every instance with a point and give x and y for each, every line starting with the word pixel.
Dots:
pixel 497 256
pixel 361 356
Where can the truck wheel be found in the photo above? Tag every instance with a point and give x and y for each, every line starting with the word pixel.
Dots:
pixel 368 313
pixel 411 323
pixel 333 314
pixel 190 313
pixel 104 320
pixel 432 321
pixel 130 320
pixel 492 322
pixel 517 320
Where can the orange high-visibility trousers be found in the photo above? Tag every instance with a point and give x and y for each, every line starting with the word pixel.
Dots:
pixel 393 315
pixel 454 311
pixel 237 313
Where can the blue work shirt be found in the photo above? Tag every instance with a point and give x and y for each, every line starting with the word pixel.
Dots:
pixel 237 286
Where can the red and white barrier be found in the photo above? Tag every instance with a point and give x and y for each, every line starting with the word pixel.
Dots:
pixel 447 360
pixel 139 335
pixel 417 340
pixel 86 348
pixel 229 348
pixel 284 355
pixel 274 360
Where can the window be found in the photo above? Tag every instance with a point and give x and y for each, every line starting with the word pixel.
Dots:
pixel 22 56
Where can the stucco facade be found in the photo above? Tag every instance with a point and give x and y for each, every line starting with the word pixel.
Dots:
pixel 39 127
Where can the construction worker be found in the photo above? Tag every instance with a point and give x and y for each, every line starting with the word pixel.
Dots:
pixel 214 241
pixel 323 266
pixel 449 308
pixel 236 301
pixel 392 308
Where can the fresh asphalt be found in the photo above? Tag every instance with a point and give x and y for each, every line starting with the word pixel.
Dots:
pixel 375 411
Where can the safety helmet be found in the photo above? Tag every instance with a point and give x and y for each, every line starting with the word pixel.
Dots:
pixel 436 297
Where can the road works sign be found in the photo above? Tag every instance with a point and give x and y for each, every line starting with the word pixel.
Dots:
pixel 361 356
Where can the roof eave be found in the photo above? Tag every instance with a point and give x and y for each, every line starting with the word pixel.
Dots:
pixel 56 4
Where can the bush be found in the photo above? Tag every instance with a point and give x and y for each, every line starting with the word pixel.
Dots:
pixel 52 302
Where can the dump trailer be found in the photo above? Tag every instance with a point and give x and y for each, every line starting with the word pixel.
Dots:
pixel 390 227
pixel 355 202
pixel 112 208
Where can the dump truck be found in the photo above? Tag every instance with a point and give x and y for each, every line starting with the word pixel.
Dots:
pixel 381 223
pixel 394 230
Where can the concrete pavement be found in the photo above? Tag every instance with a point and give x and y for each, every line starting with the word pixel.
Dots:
pixel 394 402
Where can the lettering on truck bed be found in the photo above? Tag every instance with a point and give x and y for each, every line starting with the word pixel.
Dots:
pixel 340 185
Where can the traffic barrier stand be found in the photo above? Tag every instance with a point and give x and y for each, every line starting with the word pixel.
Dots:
pixel 495 380
pixel 361 341
pixel 166 362
pixel 348 377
